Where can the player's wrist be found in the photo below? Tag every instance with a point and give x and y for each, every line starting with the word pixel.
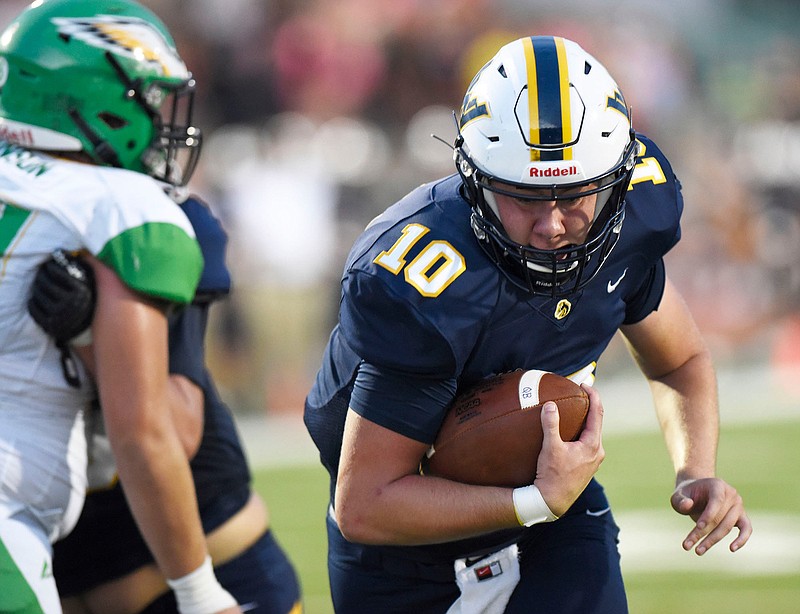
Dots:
pixel 199 592
pixel 530 506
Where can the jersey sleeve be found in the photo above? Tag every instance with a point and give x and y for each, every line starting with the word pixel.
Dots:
pixel 383 329
pixel 157 259
pixel 409 405
pixel 654 206
pixel 140 233
pixel 215 280
pixel 648 296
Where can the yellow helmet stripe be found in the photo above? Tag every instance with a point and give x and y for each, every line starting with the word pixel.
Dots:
pixel 533 92
pixel 548 97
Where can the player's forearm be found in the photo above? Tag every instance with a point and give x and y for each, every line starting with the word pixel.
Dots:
pixel 155 476
pixel 418 510
pixel 130 351
pixel 152 464
pixel 687 407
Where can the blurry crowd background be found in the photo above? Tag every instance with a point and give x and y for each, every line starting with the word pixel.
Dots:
pixel 318 114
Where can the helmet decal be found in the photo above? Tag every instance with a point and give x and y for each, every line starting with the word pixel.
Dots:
pixel 471 108
pixel 548 99
pixel 127 36
pixel 617 102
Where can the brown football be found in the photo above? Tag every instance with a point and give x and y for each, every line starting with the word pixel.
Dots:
pixel 492 433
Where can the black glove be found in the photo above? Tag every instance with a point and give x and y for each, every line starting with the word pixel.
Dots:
pixel 63 297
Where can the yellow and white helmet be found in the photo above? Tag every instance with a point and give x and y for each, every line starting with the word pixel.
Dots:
pixel 546 115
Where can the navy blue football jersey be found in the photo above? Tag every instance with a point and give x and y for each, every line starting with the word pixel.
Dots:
pixel 425 312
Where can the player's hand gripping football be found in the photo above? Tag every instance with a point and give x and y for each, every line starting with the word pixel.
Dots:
pixel 716 507
pixel 566 467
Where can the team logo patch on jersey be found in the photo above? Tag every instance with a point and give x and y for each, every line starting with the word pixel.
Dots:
pixel 562 309
pixel 126 36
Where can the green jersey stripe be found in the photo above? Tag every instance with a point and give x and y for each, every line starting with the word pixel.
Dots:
pixel 11 220
pixel 17 595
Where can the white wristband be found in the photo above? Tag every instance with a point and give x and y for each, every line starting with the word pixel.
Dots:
pixel 199 592
pixel 530 506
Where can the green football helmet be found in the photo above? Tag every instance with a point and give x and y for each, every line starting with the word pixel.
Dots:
pixel 101 77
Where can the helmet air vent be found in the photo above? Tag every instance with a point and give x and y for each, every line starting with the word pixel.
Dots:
pixel 115 122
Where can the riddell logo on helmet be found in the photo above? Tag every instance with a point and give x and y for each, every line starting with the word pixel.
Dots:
pixel 19 137
pixel 554 171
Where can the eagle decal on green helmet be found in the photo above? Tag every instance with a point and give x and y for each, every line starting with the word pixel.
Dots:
pixel 125 36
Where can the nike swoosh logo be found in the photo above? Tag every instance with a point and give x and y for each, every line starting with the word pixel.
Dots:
pixel 613 286
pixel 247 607
pixel 598 512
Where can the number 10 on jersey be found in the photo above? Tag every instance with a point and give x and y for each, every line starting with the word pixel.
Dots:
pixel 432 270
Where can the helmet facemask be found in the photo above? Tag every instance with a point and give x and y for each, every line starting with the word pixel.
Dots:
pixel 557 272
pixel 174 151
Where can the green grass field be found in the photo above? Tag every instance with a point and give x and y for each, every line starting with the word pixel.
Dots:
pixel 761 460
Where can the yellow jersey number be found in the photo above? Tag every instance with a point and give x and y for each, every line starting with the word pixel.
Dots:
pixel 434 268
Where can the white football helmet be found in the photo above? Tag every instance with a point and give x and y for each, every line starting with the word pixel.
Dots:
pixel 545 114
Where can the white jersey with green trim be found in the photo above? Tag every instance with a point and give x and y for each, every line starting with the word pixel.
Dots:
pixel 129 223
pixel 123 218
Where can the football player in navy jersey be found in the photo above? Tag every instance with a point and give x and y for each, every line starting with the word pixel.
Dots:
pixel 104 565
pixel 548 240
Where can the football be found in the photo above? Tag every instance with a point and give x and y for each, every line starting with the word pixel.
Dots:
pixel 492 433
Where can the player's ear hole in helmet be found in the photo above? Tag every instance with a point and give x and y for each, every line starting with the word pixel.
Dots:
pixel 545 117
pixel 101 77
